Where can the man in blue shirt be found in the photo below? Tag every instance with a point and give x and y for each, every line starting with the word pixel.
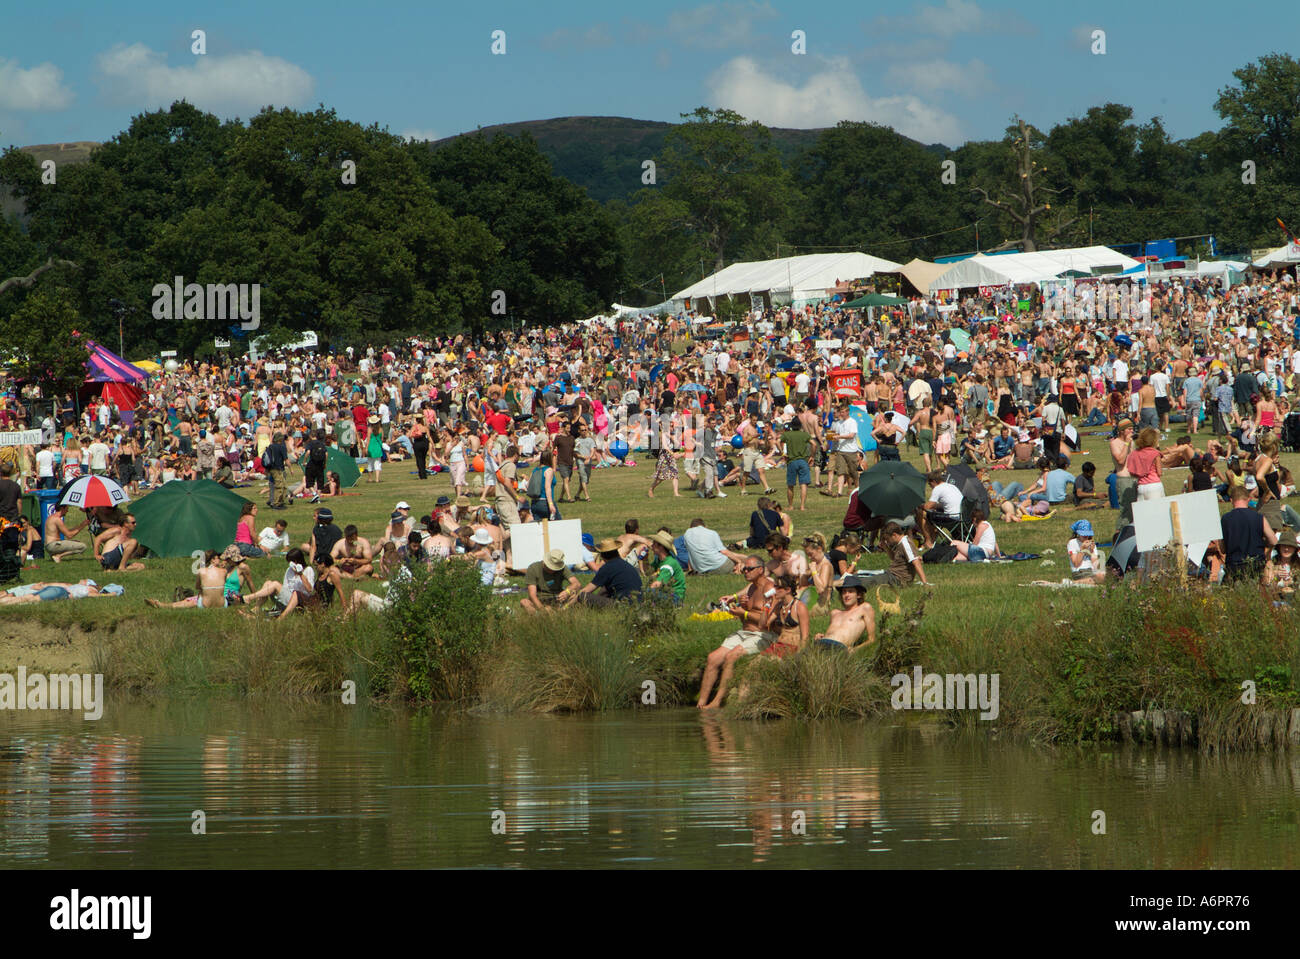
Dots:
pixel 1003 447
pixel 1057 480
pixel 1222 409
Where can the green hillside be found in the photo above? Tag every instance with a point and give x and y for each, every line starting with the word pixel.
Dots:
pixel 60 153
pixel 604 154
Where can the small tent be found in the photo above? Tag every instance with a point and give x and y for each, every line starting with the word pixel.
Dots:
pixel 119 380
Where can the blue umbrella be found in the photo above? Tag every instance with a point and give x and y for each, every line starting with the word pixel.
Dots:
pixel 787 365
pixel 655 371
pixel 692 388
pixel 1123 339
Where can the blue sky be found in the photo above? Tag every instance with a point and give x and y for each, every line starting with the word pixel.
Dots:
pixel 937 70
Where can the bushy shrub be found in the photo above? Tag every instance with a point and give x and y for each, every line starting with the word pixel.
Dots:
pixel 436 631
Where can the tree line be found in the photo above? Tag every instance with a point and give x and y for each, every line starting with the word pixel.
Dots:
pixel 361 236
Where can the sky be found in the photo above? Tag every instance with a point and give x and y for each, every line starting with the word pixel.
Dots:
pixel 943 71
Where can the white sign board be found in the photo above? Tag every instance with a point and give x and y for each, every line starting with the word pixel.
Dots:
pixel 21 438
pixel 221 344
pixel 530 542
pixel 828 344
pixel 167 354
pixel 1198 515
pixel 275 367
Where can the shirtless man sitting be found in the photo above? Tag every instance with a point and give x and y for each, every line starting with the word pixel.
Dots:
pixel 750 608
pixel 353 555
pixel 857 617
pixel 1179 454
pixel 115 546
pixel 60 540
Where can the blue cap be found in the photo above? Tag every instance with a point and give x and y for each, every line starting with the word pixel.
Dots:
pixel 1082 528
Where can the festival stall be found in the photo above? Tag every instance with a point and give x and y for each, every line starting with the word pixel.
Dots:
pixel 790 281
pixel 119 381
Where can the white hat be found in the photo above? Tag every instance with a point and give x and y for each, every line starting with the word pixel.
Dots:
pixel 482 537
pixel 402 505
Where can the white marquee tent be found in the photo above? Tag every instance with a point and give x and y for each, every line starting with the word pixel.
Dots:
pixel 984 270
pixel 797 279
pixel 1288 255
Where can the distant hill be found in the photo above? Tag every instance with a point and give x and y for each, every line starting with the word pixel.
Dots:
pixel 604 154
pixel 60 153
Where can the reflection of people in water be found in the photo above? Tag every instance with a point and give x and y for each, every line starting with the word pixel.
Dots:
pixel 857 617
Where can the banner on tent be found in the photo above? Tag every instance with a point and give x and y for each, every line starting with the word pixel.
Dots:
pixel 21 438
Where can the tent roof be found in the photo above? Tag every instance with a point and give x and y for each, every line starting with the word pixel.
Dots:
pixel 1282 256
pixel 997 270
pixel 815 271
pixel 920 273
pixel 105 366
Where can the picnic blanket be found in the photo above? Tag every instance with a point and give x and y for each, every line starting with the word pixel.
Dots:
pixel 1016 557
pixel 1063 584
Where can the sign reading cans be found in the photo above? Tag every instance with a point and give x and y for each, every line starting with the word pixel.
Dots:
pixel 21 438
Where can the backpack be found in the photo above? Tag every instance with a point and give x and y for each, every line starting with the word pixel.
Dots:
pixel 535 481
pixel 318 455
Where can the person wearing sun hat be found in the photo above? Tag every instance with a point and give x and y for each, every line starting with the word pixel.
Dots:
pixel 1087 562
pixel 1281 572
pixel 670 577
pixel 616 579
pixel 547 583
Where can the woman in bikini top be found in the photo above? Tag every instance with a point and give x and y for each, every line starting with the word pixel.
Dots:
pixel 788 617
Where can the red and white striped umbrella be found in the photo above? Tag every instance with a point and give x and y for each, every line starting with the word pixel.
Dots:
pixel 89 491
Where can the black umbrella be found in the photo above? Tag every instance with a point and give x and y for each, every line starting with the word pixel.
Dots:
pixel 963 477
pixel 1124 554
pixel 892 488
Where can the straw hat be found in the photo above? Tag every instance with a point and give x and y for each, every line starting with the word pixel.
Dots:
pixel 664 540
pixel 607 545
pixel 554 560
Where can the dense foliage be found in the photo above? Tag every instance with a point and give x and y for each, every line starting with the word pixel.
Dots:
pixel 424 236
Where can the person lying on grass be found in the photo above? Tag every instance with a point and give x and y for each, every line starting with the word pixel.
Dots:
pixel 850 623
pixel 49 592
pixel 216 584
pixel 751 607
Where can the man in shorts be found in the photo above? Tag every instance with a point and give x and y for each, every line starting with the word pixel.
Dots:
pixel 848 624
pixel 848 451
pixel 751 454
pixel 116 545
pixel 749 607
pixel 797 445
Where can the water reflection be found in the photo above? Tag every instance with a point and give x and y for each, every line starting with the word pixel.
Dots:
pixel 321 785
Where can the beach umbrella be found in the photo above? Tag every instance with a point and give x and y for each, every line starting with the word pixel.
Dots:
pixel 787 365
pixel 187 515
pixel 892 488
pixel 89 491
pixel 959 339
pixel 336 461
pixel 1123 339
pixel 963 477
pixel 692 388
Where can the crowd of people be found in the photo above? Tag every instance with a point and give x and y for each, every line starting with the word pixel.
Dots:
pixel 522 423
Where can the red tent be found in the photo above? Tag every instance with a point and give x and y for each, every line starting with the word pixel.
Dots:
pixel 121 381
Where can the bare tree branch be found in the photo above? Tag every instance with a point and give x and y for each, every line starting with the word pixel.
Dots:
pixel 30 278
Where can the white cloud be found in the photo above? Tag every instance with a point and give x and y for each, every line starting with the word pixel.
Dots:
pixel 718 25
pixel 415 134
pixel 937 76
pixel 824 99
pixel 36 88
pixel 954 17
pixel 250 80
pixel 592 38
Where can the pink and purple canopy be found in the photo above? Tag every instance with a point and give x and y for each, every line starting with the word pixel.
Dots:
pixel 105 366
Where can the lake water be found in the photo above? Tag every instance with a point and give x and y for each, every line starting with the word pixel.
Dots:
pixel 350 787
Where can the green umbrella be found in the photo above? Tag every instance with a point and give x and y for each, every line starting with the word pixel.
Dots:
pixel 959 339
pixel 892 488
pixel 187 515
pixel 336 461
pixel 875 299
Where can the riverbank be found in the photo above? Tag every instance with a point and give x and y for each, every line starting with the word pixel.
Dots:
pixel 1213 669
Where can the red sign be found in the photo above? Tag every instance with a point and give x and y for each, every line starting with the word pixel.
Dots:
pixel 845 382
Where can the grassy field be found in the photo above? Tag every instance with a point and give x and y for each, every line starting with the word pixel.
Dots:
pixel 1071 661
pixel 983 594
